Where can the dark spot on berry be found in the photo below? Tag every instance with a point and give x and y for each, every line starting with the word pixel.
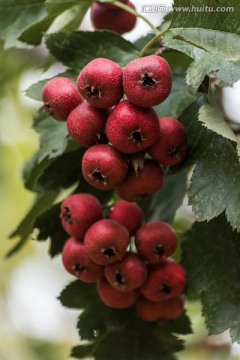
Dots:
pixel 48 108
pixel 79 268
pixel 91 91
pixel 159 250
pixel 120 280
pixel 67 215
pixel 166 289
pixel 148 80
pixel 109 252
pixel 173 152
pixel 136 137
pixel 98 176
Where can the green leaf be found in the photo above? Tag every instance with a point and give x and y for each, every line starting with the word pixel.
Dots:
pixel 214 183
pixel 25 228
pixel 17 15
pixel 165 203
pixel 211 257
pixel 50 227
pixel 82 351
pixel 76 49
pixel 77 294
pixel 217 20
pixel 59 6
pixel 204 63
pixel 179 99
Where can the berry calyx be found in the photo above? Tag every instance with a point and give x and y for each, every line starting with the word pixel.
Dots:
pixel 103 167
pixel 171 147
pixel 147 81
pixel 131 128
pixel 164 281
pixel 155 241
pixel 86 124
pixel 127 274
pixel 145 182
pixel 112 18
pixel 115 299
pixel 60 97
pixel 100 83
pixel 79 212
pixel 106 241
pixel 78 263
pixel 128 214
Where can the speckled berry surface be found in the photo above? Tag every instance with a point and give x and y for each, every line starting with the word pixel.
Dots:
pixel 114 298
pixel 155 241
pixel 104 167
pixel 127 274
pixel 86 124
pixel 131 128
pixel 164 281
pixel 100 83
pixel 129 214
pixel 78 263
pixel 60 97
pixel 143 183
pixel 147 81
pixel 171 148
pixel 79 212
pixel 106 241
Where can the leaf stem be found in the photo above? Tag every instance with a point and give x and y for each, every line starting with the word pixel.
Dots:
pixel 152 42
pixel 134 12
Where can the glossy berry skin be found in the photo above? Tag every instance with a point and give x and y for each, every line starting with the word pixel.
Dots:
pixel 171 148
pixel 86 124
pixel 145 182
pixel 106 241
pixel 112 18
pixel 128 214
pixel 100 83
pixel 78 263
pixel 164 281
pixel 127 274
pixel 152 311
pixel 60 97
pixel 115 299
pixel 103 167
pixel 155 241
pixel 147 81
pixel 79 212
pixel 131 128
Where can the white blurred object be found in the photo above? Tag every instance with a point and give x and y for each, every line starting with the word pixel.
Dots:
pixel 230 100
pixel 32 299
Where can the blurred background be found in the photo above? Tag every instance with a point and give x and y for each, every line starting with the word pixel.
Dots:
pixel 33 324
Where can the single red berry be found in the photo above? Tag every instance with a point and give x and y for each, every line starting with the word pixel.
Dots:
pixel 60 97
pixel 106 241
pixel 164 281
pixel 86 124
pixel 152 311
pixel 114 298
pixel 103 167
pixel 112 18
pixel 79 212
pixel 127 274
pixel 131 128
pixel 147 81
pixel 155 241
pixel 145 182
pixel 128 214
pixel 171 148
pixel 100 83
pixel 78 263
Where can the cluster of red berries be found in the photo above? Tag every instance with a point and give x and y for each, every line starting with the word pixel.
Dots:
pixel 127 259
pixel 107 16
pixel 127 143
